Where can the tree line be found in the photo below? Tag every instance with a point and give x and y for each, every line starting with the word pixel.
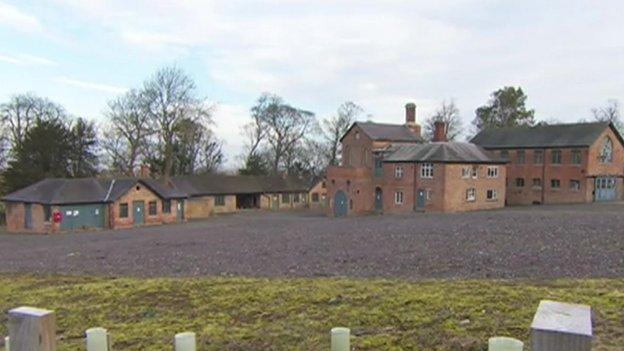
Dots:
pixel 166 124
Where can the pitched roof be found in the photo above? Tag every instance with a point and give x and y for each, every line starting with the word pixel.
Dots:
pixel 555 135
pixel 57 191
pixel 215 184
pixel 444 152
pixel 387 132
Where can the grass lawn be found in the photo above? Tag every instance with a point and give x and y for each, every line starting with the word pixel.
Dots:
pixel 297 314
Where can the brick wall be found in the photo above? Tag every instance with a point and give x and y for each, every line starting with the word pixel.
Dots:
pixel 357 151
pixel 456 187
pixel 15 218
pixel 405 184
pixel 321 190
pixel 140 193
pixel 357 183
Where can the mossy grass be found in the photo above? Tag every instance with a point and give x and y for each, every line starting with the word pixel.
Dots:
pixel 297 314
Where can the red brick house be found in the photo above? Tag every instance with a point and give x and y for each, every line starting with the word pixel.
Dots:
pixel 390 169
pixel 561 163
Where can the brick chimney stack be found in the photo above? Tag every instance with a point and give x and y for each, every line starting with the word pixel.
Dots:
pixel 410 118
pixel 145 171
pixel 439 133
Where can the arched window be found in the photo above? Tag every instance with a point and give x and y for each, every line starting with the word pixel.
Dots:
pixel 607 151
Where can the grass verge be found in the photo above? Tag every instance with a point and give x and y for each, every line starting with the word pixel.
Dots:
pixel 297 314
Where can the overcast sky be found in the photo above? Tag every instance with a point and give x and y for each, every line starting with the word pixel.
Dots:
pixel 568 56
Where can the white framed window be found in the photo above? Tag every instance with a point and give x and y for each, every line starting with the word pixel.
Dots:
pixel 471 194
pixel 466 172
pixel 492 172
pixel 607 151
pixel 428 194
pixel 398 198
pixel 426 170
pixel 475 172
pixel 492 194
pixel 398 172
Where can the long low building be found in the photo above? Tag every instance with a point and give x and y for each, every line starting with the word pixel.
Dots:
pixel 56 205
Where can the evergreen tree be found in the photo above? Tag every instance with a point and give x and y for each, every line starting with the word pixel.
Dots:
pixel 506 108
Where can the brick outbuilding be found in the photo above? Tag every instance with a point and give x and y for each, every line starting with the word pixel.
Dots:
pixel 560 163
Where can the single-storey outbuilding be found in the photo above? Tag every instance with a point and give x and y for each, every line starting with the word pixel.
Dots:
pixel 54 205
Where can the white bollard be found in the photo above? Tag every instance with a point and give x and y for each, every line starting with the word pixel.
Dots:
pixel 185 342
pixel 98 340
pixel 7 347
pixel 502 343
pixel 340 339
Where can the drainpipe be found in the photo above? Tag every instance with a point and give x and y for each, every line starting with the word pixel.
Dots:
pixel 543 177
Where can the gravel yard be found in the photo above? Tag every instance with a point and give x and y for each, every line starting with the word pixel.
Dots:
pixel 522 242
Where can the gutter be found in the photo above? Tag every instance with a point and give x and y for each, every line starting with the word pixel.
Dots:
pixel 110 189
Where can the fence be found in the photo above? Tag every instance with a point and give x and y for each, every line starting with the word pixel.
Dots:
pixel 556 326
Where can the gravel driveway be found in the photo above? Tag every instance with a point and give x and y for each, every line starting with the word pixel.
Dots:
pixel 522 242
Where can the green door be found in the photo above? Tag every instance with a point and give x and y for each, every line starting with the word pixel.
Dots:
pixel 138 210
pixel 28 216
pixel 83 216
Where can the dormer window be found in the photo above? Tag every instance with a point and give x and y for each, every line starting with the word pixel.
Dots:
pixel 607 151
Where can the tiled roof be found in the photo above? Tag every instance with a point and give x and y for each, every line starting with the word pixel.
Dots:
pixel 555 135
pixel 233 184
pixel 444 152
pixel 388 132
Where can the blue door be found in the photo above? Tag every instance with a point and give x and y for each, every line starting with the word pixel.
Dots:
pixel 138 211
pixel 340 204
pixel 378 200
pixel 421 199
pixel 605 189
pixel 28 216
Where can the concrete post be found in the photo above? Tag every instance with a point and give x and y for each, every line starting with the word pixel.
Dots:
pixel 6 344
pixel 32 329
pixel 340 339
pixel 502 343
pixel 98 340
pixel 561 326
pixel 185 342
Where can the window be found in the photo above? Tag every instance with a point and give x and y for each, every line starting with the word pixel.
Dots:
pixel 575 185
pixel 323 185
pixel 286 197
pixel 152 209
pixel 538 157
pixel 492 172
pixel 357 135
pixel 123 210
pixel 428 194
pixel 378 165
pixel 47 213
pixel 471 195
pixel 607 151
pixel 504 154
pixel 576 157
pixel 315 197
pixel 537 182
pixel 398 198
pixel 426 170
pixel 475 172
pixel 296 198
pixel 555 157
pixel 555 183
pixel 219 200
pixel 466 172
pixel 166 206
pixel 491 194
pixel 520 182
pixel 398 172
pixel 521 157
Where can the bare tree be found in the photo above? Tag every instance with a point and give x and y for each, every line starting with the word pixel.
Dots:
pixel 285 127
pixel 449 114
pixel 611 112
pixel 125 139
pixel 169 97
pixel 211 155
pixel 335 127
pixel 21 112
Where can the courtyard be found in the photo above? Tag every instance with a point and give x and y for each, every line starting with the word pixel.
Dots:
pixel 536 242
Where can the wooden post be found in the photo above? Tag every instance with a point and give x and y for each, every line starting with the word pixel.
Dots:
pixel 98 340
pixel 6 344
pixel 340 339
pixel 32 329
pixel 502 343
pixel 185 342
